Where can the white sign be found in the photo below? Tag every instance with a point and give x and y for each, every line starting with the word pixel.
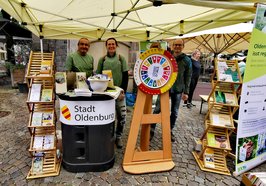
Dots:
pixel 87 112
pixel 251 131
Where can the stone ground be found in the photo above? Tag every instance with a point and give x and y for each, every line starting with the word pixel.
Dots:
pixel 15 160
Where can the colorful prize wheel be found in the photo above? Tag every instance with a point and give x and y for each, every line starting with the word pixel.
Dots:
pixel 156 71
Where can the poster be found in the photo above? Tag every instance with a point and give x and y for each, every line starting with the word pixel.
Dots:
pixel 251 131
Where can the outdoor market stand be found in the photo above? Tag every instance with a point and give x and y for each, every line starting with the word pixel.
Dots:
pixel 46 159
pixel 219 124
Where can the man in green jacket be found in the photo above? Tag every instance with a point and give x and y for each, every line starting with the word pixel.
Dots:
pixel 180 89
pixel 80 61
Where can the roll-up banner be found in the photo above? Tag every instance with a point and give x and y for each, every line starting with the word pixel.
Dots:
pixel 251 131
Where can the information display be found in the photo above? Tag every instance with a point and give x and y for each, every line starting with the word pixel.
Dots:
pixel 156 71
pixel 251 131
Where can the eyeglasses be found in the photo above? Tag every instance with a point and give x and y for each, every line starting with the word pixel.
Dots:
pixel 178 45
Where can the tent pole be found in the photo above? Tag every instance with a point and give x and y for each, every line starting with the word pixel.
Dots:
pixel 41 45
pixel 41 37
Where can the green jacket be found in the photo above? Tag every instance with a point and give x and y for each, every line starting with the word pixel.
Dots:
pixel 78 63
pixel 116 64
pixel 182 82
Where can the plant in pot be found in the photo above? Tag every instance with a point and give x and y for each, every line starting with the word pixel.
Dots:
pixel 17 72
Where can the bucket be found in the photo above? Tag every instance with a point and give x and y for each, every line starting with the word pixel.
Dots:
pixel 23 87
pixel 130 99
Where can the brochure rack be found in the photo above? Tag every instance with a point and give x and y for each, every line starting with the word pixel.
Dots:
pixel 46 159
pixel 223 103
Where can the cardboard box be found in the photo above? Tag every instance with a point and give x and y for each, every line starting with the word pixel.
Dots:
pixel 197 144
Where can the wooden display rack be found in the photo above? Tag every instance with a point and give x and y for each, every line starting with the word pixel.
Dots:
pixel 138 160
pixel 219 124
pixel 42 112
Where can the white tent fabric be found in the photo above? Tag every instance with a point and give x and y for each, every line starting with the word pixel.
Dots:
pixel 228 39
pixel 126 20
pixel 236 28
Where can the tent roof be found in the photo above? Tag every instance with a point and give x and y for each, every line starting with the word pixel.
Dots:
pixel 218 43
pixel 126 20
pixel 228 39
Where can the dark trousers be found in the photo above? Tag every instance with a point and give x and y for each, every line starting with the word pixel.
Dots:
pixel 175 103
pixel 121 112
pixel 192 87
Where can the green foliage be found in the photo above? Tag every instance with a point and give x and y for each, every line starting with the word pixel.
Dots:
pixel 10 66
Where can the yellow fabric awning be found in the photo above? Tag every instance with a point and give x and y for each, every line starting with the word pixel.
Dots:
pixel 126 20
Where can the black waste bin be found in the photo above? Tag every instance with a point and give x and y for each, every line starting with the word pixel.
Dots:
pixel 87 147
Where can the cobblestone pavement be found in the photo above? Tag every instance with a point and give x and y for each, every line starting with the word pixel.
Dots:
pixel 15 160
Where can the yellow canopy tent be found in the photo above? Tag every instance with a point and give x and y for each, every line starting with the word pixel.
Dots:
pixel 126 20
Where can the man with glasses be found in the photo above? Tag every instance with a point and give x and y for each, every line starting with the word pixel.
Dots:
pixel 80 61
pixel 180 89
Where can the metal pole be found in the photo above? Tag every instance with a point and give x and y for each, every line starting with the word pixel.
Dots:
pixel 41 45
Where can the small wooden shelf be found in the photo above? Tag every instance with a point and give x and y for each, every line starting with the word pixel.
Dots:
pixel 44 85
pixel 42 118
pixel 219 117
pixel 35 63
pixel 220 165
pixel 50 166
pixel 46 137
pixel 218 140
pixel 36 106
pixel 228 68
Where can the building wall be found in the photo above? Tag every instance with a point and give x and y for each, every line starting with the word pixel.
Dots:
pixel 97 49
pixel 58 46
pixel 130 50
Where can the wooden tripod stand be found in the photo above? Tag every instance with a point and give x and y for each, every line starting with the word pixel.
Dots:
pixel 138 160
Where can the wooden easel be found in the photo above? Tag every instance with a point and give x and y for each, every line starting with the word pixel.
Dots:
pixel 138 160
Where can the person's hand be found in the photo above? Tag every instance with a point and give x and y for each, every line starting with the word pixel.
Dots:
pixel 184 97
pixel 121 95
